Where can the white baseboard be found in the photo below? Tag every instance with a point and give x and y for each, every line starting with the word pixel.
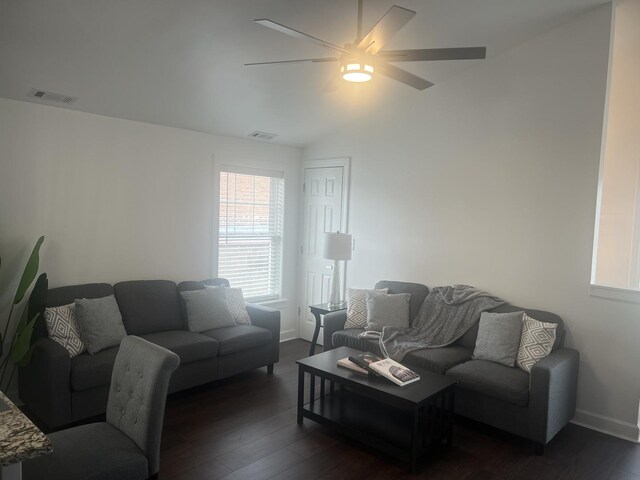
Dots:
pixel 287 335
pixel 608 425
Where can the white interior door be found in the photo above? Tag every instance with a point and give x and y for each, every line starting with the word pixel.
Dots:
pixel 324 211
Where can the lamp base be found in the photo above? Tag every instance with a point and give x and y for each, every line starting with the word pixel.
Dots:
pixel 334 299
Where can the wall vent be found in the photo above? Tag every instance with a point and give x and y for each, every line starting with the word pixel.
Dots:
pixel 51 96
pixel 262 135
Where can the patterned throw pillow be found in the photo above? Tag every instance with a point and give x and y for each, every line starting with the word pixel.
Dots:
pixel 237 306
pixel 357 306
pixel 536 342
pixel 62 327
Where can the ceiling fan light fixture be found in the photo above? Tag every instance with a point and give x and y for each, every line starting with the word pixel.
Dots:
pixel 356 71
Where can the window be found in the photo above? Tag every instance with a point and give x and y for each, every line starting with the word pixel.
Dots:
pixel 617 246
pixel 250 236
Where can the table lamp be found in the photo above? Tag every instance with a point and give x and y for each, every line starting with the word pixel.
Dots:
pixel 337 246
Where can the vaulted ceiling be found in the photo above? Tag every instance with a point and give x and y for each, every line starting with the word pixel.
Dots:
pixel 180 62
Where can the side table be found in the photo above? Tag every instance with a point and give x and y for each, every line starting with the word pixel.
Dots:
pixel 317 311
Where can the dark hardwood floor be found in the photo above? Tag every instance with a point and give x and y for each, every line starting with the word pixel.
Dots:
pixel 245 428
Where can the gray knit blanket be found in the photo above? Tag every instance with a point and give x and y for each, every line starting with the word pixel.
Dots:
pixel 446 314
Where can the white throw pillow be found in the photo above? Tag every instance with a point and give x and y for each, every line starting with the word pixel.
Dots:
pixel 536 342
pixel 357 306
pixel 62 327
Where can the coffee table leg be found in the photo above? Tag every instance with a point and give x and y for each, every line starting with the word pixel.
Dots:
pixel 312 389
pixel 415 431
pixel 300 393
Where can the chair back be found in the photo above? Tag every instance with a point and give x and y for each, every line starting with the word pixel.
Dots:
pixel 138 394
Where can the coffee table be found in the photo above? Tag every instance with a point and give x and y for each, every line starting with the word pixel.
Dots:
pixel 401 421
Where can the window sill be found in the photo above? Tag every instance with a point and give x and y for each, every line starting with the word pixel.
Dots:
pixel 270 303
pixel 618 294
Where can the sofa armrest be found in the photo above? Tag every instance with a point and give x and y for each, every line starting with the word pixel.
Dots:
pixel 268 318
pixel 553 390
pixel 44 384
pixel 332 322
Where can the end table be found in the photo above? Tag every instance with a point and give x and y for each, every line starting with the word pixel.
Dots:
pixel 318 311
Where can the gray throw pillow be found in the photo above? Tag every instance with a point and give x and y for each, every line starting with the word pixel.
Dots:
pixel 499 337
pixel 387 310
pixel 100 323
pixel 207 309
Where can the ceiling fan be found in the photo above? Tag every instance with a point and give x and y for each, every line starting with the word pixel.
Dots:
pixel 363 59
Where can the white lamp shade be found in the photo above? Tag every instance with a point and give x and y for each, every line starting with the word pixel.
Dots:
pixel 337 246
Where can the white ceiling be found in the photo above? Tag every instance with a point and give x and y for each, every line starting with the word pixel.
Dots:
pixel 180 62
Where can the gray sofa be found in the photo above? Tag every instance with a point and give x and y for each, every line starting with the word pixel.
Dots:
pixel 535 406
pixel 60 390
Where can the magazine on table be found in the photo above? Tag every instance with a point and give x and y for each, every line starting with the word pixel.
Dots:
pixel 348 364
pixel 394 371
pixel 385 367
pixel 363 360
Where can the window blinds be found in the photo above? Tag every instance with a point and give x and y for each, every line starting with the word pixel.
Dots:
pixel 251 231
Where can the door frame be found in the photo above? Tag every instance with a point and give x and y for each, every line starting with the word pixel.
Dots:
pixel 345 163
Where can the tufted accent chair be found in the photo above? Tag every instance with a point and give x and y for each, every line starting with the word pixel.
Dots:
pixel 127 445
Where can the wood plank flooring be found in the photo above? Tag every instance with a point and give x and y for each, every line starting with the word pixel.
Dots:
pixel 245 428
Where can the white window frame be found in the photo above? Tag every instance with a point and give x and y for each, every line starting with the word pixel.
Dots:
pixel 254 171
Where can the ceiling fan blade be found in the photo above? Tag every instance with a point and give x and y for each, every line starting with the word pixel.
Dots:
pixel 431 54
pixel 314 60
pixel 392 21
pixel 295 33
pixel 403 76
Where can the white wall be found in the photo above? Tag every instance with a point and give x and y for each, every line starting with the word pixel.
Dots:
pixel 122 200
pixel 490 179
pixel 616 264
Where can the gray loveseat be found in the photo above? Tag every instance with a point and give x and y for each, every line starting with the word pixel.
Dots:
pixel 535 406
pixel 60 390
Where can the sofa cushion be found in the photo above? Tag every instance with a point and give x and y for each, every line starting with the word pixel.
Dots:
pixel 100 323
pixel 536 342
pixel 239 338
pixel 89 371
pixel 350 338
pixel 357 307
pixel 418 294
pixel 207 309
pixel 235 298
pixel 494 380
pixel 149 306
pixel 62 327
pixel 499 337
pixel 387 310
pixel 438 360
pixel 189 346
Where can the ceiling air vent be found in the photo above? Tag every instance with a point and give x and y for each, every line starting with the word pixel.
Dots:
pixel 51 96
pixel 262 135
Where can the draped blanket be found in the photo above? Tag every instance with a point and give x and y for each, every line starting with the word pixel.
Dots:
pixel 446 314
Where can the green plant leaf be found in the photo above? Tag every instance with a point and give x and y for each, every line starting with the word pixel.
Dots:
pixel 37 305
pixel 22 342
pixel 30 271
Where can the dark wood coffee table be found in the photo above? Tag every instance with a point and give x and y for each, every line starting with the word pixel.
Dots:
pixel 401 421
